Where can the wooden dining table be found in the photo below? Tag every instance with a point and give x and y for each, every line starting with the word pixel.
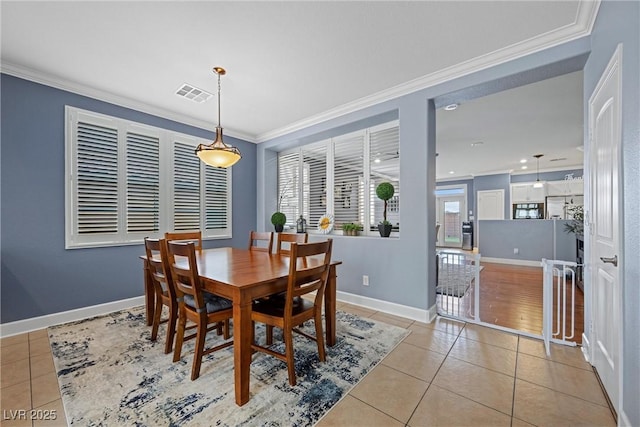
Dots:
pixel 242 276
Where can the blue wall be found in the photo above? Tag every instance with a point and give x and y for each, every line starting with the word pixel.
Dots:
pixel 400 269
pixel 619 22
pixel 534 240
pixel 38 275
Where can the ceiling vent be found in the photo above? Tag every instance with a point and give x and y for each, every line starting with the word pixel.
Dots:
pixel 193 93
pixel 559 159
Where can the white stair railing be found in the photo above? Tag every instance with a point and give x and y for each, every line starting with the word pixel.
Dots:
pixel 562 276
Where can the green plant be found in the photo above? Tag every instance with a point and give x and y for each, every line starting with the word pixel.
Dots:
pixel 351 228
pixel 385 191
pixel 577 224
pixel 278 218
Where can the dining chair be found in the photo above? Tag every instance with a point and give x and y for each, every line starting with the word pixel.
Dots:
pixel 196 305
pixel 194 236
pixel 289 238
pixel 165 293
pixel 265 237
pixel 292 311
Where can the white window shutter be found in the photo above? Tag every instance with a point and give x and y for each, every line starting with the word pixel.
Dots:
pixel 348 173
pixel 96 195
pixel 143 183
pixel 314 200
pixel 288 185
pixel 217 201
pixel 384 166
pixel 186 188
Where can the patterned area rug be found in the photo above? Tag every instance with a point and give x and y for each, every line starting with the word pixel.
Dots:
pixel 110 373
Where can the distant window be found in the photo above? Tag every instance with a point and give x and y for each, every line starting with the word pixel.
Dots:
pixel 126 181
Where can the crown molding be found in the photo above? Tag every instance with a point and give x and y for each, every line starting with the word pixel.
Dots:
pixel 106 96
pixel 582 26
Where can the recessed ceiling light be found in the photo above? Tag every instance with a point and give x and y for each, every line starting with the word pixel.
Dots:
pixel 451 107
pixel 523 167
pixel 477 143
pixel 451 172
pixel 580 148
pixel 376 161
pixel 523 160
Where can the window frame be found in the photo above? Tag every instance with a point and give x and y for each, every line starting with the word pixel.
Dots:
pixel 367 199
pixel 167 140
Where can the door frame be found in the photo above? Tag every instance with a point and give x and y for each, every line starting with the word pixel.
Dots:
pixel 464 198
pixel 589 347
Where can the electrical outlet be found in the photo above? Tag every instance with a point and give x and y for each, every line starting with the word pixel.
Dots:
pixel 516 251
pixel 365 280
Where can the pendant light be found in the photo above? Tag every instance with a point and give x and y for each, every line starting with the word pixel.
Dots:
pixel 218 154
pixel 538 183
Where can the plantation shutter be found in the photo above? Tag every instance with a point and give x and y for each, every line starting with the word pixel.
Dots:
pixel 96 196
pixel 384 166
pixel 288 186
pixel 216 198
pixel 143 183
pixel 186 188
pixel 314 200
pixel 348 167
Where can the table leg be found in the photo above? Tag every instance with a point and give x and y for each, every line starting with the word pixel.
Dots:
pixel 330 307
pixel 149 293
pixel 242 334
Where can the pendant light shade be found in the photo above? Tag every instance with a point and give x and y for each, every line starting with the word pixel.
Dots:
pixel 218 154
pixel 538 183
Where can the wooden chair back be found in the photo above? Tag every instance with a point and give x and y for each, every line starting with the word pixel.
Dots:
pixel 164 289
pixel 304 279
pixel 285 240
pixel 193 236
pixel 185 275
pixel 266 237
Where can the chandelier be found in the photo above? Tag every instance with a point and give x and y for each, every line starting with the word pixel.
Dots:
pixel 218 154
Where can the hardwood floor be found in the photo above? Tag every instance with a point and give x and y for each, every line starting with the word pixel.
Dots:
pixel 511 296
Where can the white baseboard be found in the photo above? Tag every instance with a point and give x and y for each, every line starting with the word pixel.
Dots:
pixel 623 419
pixel 413 313
pixel 586 348
pixel 523 262
pixel 41 322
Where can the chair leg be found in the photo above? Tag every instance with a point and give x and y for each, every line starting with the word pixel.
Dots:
pixel 319 336
pixel 156 317
pixel 227 333
pixel 182 322
pixel 197 356
pixel 269 334
pixel 291 366
pixel 171 328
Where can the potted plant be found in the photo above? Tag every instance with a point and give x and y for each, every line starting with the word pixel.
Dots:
pixel 385 191
pixel 351 228
pixel 577 224
pixel 278 219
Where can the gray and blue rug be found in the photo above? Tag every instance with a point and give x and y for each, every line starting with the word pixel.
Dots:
pixel 110 373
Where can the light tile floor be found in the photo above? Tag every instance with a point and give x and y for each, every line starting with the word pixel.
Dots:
pixel 445 373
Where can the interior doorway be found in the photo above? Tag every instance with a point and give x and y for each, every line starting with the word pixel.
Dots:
pixel 451 210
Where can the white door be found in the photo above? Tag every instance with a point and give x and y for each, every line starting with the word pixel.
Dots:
pixel 490 204
pixel 605 215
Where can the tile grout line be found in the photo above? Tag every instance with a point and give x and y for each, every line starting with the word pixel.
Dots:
pixel 515 379
pixel 435 374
